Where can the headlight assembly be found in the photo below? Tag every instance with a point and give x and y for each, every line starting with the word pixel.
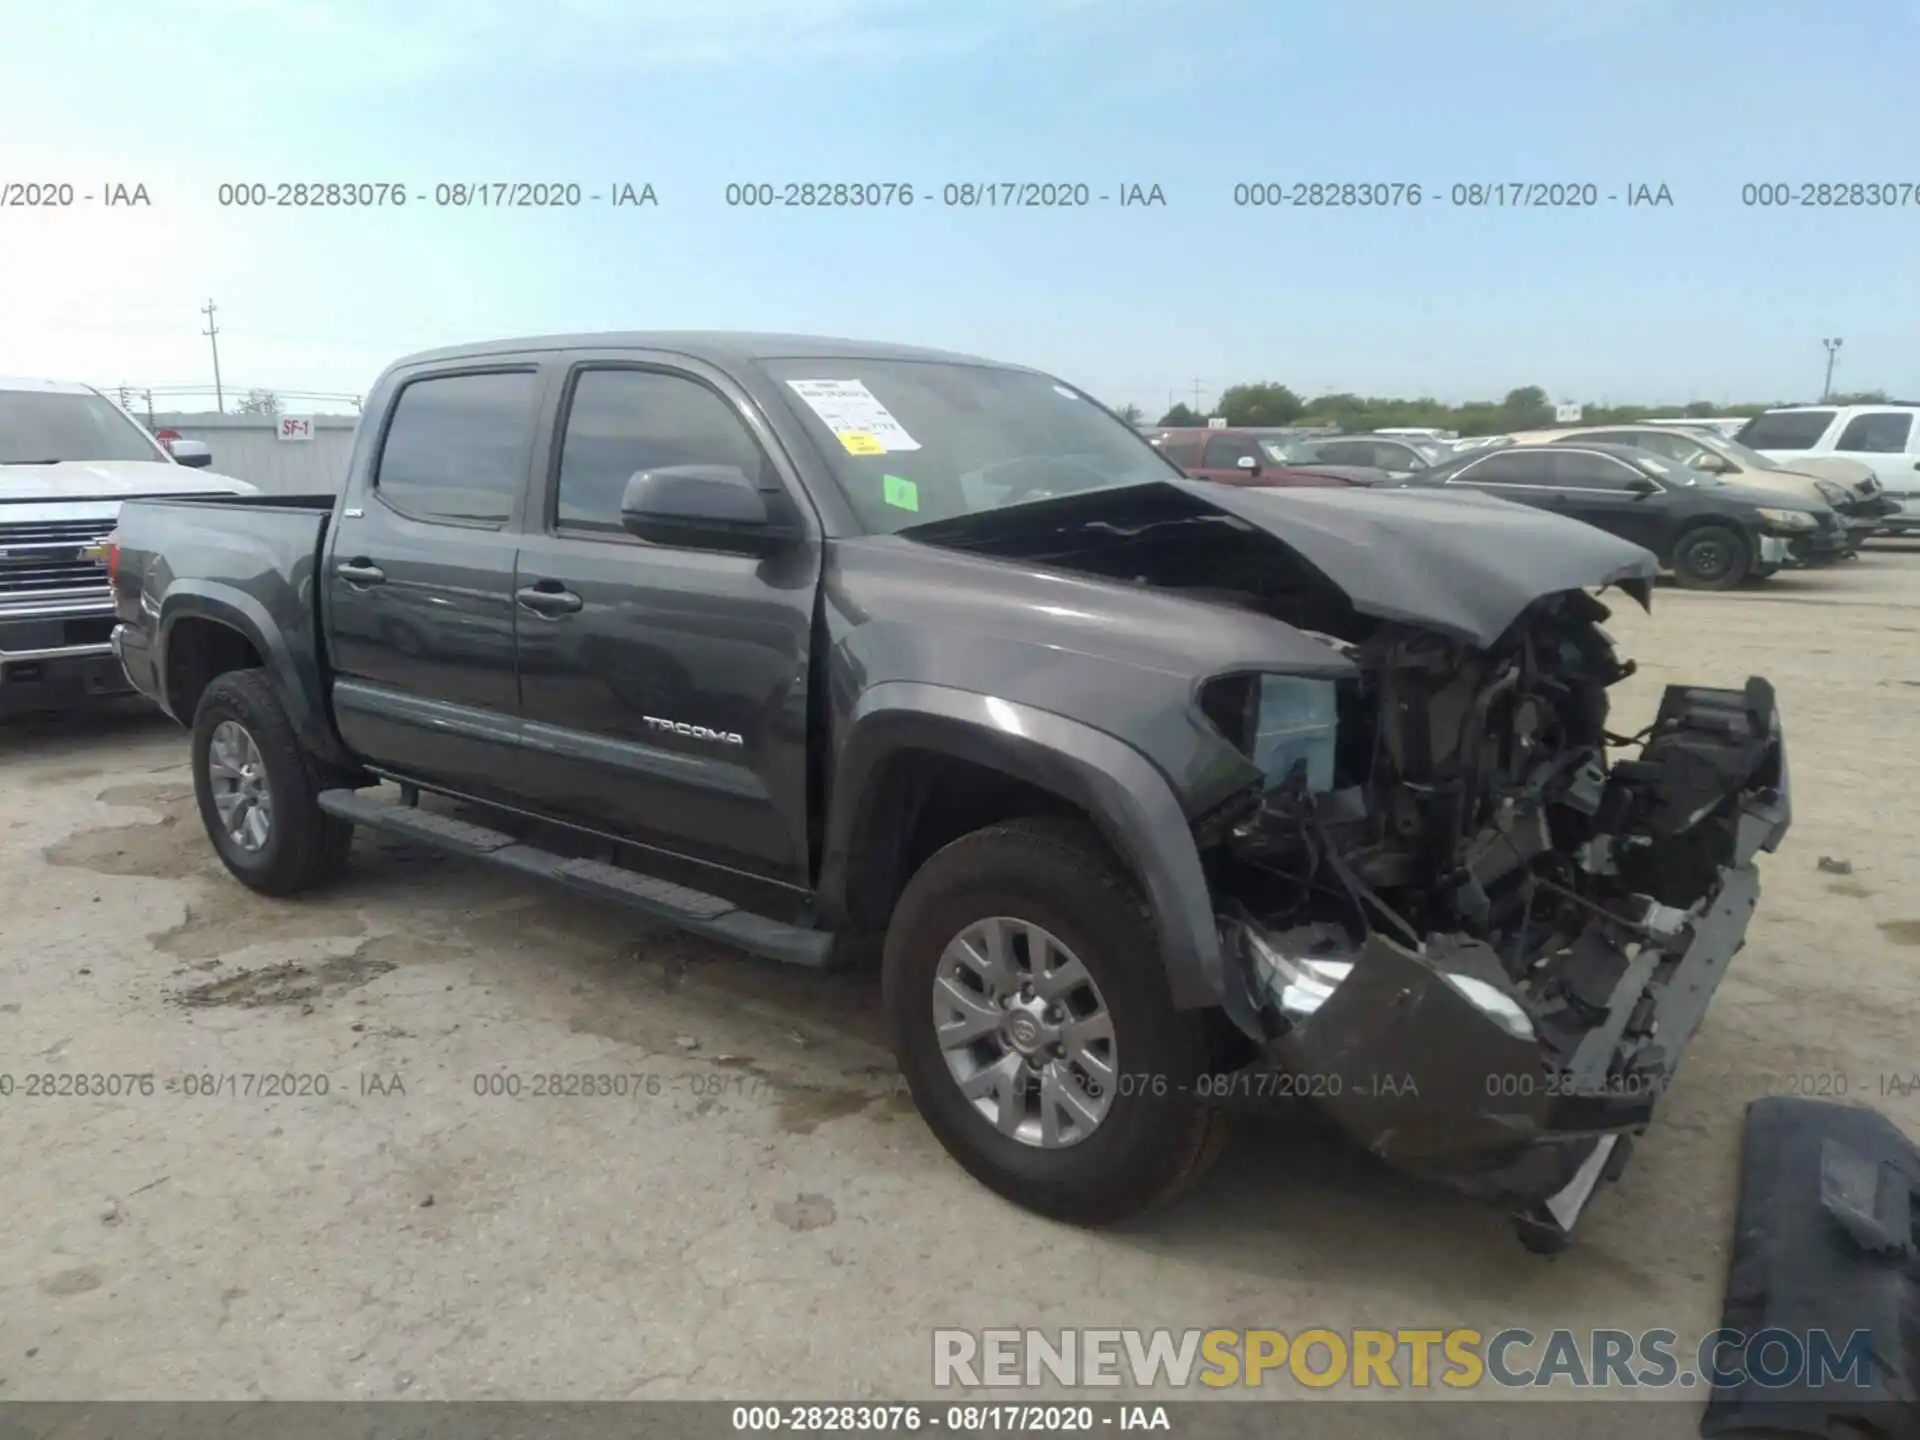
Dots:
pixel 1788 519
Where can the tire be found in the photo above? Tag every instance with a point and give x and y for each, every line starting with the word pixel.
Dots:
pixel 299 845
pixel 1712 557
pixel 1155 1136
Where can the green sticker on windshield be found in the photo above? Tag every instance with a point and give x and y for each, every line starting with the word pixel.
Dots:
pixel 901 494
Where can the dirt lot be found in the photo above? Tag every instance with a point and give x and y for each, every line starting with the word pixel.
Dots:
pixel 775 1221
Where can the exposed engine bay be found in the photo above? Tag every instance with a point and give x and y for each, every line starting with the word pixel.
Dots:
pixel 1467 919
pixel 1483 895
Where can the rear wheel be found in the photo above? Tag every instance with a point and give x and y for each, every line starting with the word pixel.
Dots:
pixel 258 793
pixel 1712 557
pixel 1034 1027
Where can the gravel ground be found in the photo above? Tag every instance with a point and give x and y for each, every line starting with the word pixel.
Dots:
pixel 768 1217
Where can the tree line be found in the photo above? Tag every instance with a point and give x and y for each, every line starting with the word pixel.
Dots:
pixel 1527 408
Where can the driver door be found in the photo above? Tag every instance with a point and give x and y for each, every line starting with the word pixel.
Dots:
pixel 663 689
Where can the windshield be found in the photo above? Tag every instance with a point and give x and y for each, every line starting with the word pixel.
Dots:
pixel 1733 450
pixel 912 441
pixel 1289 452
pixel 40 426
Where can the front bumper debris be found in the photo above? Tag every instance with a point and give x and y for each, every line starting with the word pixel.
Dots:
pixel 1825 1254
pixel 1416 1053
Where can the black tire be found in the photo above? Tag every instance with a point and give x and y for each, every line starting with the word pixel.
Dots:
pixel 1712 557
pixel 304 846
pixel 1156 1136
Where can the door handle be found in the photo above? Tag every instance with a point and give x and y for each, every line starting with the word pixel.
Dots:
pixel 549 599
pixel 359 571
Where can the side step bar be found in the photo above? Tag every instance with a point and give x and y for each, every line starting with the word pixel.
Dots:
pixel 691 910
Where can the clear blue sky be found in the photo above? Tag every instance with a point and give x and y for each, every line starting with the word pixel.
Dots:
pixel 1707 298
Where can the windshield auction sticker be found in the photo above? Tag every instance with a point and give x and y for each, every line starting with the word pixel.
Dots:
pixel 848 408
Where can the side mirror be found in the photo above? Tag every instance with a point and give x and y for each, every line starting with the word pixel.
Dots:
pixel 194 454
pixel 1248 463
pixel 701 507
pixel 1640 485
pixel 1713 464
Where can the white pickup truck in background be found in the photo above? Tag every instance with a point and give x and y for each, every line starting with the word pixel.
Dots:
pixel 1885 438
pixel 68 457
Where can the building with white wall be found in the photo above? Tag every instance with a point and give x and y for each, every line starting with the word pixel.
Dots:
pixel 308 457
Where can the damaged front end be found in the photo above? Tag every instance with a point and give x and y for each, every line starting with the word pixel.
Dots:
pixel 1478 938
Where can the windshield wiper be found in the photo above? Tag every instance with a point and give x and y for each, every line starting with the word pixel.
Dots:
pixel 32 462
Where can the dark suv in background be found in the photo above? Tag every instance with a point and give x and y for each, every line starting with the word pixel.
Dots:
pixel 1711 535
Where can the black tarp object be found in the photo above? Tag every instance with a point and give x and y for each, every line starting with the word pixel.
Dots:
pixel 1825 1243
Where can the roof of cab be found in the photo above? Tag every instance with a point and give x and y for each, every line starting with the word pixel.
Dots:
pixel 50 387
pixel 716 347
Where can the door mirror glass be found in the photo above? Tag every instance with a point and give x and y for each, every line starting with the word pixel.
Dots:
pixel 1247 462
pixel 701 507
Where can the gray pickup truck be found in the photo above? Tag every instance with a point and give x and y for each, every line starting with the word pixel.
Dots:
pixel 1150 797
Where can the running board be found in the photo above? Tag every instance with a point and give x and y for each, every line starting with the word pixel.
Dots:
pixel 691 910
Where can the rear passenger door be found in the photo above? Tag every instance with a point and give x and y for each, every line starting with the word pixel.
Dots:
pixel 419 580
pixel 664 689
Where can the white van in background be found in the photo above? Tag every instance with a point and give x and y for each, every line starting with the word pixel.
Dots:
pixel 1885 438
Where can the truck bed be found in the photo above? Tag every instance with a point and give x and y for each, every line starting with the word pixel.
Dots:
pixel 249 561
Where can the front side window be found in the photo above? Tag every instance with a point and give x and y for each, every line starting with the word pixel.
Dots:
pixel 621 422
pixel 1786 429
pixel 1884 433
pixel 913 441
pixel 39 427
pixel 456 449
pixel 1224 452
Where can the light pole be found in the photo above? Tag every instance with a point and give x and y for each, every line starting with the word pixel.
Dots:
pixel 1833 349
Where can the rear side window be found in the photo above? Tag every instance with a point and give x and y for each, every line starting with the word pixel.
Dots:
pixel 1785 430
pixel 1882 434
pixel 624 421
pixel 1513 467
pixel 1583 470
pixel 1182 450
pixel 456 449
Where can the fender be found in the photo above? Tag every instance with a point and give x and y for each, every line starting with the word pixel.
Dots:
pixel 295 673
pixel 1126 796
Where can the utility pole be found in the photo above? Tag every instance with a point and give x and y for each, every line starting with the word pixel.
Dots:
pixel 212 332
pixel 1196 396
pixel 149 397
pixel 1833 348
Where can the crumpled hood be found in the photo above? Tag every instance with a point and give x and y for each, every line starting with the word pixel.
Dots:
pixel 1851 473
pixel 112 480
pixel 1464 564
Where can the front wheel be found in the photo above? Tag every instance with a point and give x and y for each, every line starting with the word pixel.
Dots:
pixel 259 797
pixel 1033 1024
pixel 1712 557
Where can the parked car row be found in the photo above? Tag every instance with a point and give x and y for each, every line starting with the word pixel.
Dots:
pixel 1716 511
